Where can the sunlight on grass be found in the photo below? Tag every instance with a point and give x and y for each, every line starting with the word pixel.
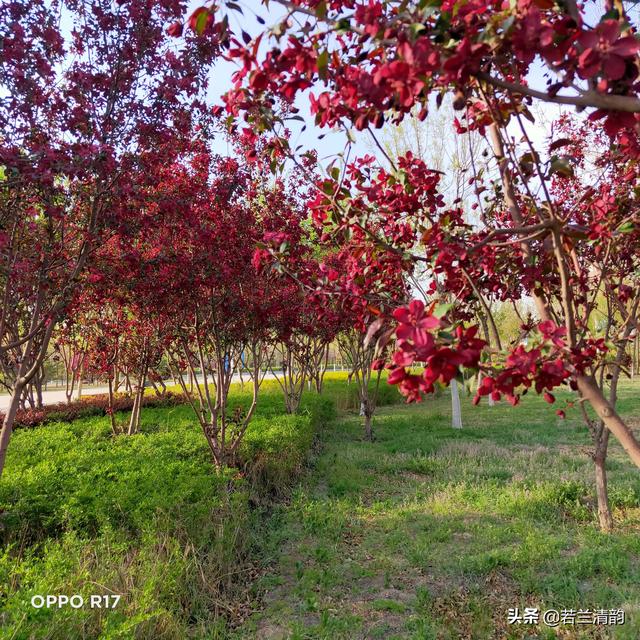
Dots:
pixel 431 532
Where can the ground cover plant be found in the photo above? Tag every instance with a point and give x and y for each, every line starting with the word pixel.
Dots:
pixel 145 516
pixel 468 233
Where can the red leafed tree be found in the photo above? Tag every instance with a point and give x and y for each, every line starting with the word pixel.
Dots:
pixel 106 332
pixel 304 325
pixel 71 347
pixel 186 265
pixel 225 306
pixel 366 281
pixel 384 60
pixel 87 86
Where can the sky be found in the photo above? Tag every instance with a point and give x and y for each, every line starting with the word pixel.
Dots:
pixel 332 143
pixel 328 143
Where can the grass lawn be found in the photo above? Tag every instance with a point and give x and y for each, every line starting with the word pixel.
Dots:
pixel 143 516
pixel 428 532
pixel 431 532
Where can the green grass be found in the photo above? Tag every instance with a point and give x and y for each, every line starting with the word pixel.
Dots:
pixel 431 532
pixel 428 532
pixel 145 516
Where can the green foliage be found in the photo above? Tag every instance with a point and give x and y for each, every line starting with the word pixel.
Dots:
pixel 345 396
pixel 76 477
pixel 145 516
pixel 275 448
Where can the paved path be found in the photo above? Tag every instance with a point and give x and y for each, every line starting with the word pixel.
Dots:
pixel 54 397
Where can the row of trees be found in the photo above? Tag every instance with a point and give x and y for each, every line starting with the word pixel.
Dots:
pixel 113 207
pixel 553 224
pixel 129 250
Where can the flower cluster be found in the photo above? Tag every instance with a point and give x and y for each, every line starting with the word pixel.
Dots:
pixel 441 354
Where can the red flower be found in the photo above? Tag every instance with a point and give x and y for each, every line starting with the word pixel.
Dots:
pixel 551 331
pixel 523 360
pixel 605 51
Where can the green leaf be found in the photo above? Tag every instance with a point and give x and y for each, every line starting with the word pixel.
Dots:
pixel 627 227
pixel 322 63
pixel 327 187
pixel 561 166
pixel 442 309
pixel 201 20
pixel 415 29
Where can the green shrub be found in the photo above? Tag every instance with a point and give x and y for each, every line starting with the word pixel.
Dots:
pixel 145 516
pixel 275 448
pixel 61 479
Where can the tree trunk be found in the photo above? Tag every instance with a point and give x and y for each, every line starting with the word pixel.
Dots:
pixel 590 391
pixel 39 380
pixel 7 424
pixel 456 413
pixel 79 392
pixel 28 394
pixel 112 415
pixel 368 426
pixel 599 459
pixel 134 420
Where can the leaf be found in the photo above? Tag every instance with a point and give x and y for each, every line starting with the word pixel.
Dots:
pixel 561 142
pixel 442 309
pixel 561 166
pixel 322 63
pixel 626 227
pixel 236 7
pixel 200 19
pixel 327 187
pixel 416 29
pixel 544 4
pixel 372 331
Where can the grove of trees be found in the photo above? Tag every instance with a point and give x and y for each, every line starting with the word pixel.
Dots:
pixel 131 248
